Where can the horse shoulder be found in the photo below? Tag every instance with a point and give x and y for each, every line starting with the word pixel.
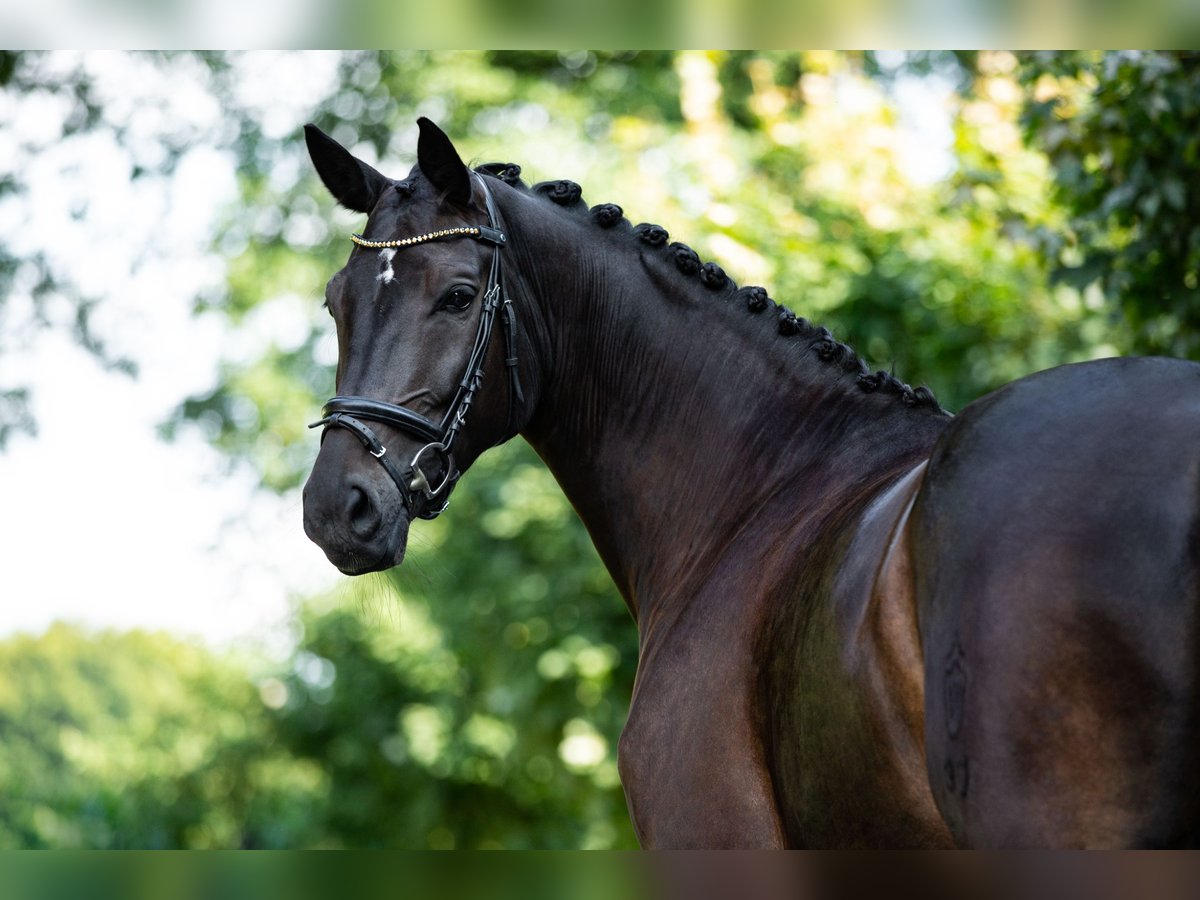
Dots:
pixel 846 688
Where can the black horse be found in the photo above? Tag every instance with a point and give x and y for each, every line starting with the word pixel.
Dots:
pixel 863 622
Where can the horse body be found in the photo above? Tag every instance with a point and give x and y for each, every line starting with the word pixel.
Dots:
pixel 801 543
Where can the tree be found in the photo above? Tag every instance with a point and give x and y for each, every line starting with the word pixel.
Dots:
pixel 94 142
pixel 1122 132
pixel 141 741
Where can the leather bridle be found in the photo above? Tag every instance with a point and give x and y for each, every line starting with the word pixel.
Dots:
pixel 348 412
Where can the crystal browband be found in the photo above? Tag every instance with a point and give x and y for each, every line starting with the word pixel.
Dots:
pixel 488 234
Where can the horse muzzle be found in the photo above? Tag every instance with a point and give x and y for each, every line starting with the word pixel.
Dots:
pixel 356 518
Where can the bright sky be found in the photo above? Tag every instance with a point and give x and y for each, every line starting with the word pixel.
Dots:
pixel 103 523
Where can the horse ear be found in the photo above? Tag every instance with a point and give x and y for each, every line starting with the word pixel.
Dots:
pixel 441 163
pixel 353 183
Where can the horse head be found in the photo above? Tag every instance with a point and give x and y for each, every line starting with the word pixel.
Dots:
pixel 415 308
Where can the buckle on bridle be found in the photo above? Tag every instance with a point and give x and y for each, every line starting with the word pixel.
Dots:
pixel 491 299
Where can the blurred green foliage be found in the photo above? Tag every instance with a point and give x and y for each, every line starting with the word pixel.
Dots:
pixel 475 698
pixel 139 740
pixel 1119 130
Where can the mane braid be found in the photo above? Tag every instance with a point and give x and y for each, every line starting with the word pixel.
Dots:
pixel 820 341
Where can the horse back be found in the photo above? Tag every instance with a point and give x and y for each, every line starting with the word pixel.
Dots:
pixel 1056 567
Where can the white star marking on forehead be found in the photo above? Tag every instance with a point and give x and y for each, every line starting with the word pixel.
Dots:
pixel 385 261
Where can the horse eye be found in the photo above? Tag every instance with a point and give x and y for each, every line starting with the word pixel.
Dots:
pixel 458 298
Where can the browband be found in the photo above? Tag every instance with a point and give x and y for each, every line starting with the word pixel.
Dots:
pixel 483 232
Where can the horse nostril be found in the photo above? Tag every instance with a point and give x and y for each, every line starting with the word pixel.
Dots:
pixel 362 513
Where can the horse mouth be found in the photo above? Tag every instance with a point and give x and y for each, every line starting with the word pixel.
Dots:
pixel 357 566
pixel 385 551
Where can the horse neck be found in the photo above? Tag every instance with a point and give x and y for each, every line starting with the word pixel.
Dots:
pixel 680 425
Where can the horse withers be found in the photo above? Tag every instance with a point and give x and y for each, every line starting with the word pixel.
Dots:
pixel 862 622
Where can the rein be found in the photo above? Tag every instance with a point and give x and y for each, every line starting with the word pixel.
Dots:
pixel 348 412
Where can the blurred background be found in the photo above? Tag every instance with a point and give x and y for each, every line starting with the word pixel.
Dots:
pixel 180 668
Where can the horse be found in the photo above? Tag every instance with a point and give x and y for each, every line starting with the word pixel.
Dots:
pixel 862 621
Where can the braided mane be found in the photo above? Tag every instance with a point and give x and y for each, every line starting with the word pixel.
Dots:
pixel 820 341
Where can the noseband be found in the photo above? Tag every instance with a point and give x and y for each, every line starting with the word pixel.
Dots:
pixel 348 412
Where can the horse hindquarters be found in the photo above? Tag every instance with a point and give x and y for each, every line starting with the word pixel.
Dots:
pixel 1056 553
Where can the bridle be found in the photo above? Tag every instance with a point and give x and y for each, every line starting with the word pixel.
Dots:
pixel 348 412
